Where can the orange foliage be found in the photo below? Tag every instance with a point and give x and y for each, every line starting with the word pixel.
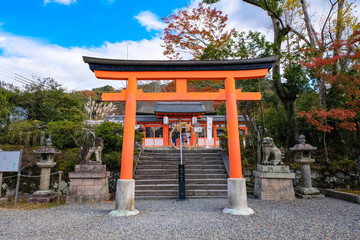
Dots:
pixel 348 82
pixel 192 30
pixel 88 93
pixel 317 116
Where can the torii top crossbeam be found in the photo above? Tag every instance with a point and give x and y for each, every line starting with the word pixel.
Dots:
pixel 180 71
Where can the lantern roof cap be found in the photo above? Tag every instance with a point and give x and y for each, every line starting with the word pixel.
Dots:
pixel 302 146
pixel 47 148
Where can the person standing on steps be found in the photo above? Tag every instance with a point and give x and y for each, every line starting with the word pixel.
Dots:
pixel 174 136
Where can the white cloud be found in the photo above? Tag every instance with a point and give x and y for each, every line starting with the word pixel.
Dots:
pixel 150 21
pixel 28 57
pixel 65 2
pixel 243 16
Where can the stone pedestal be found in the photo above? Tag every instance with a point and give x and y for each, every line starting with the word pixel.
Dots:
pixel 88 184
pixel 306 190
pixel 274 182
pixel 125 199
pixel 44 195
pixel 237 197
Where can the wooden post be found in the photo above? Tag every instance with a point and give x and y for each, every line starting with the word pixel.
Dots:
pixel 181 85
pixel 17 189
pixel 18 180
pixel 233 129
pixel 58 190
pixel 129 130
pixel 1 178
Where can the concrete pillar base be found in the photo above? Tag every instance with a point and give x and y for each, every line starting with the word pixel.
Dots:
pixel 237 197
pixel 123 213
pixel 125 199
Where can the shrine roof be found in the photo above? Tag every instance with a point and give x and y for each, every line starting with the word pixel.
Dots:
pixel 148 107
pixel 139 118
pixel 154 118
pixel 178 65
pixel 179 107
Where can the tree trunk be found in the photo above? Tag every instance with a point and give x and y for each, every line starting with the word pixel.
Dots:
pixel 292 121
pixel 258 147
pixel 288 102
pixel 308 25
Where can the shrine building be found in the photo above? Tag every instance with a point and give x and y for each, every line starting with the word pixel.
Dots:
pixel 156 119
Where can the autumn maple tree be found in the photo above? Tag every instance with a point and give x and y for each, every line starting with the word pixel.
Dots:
pixel 343 85
pixel 192 30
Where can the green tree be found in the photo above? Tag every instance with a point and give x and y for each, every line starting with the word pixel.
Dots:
pixel 27 133
pixel 7 100
pixel 47 101
pixel 104 89
pixel 112 133
pixel 67 134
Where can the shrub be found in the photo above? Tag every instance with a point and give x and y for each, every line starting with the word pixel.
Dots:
pixel 66 161
pixel 112 133
pixel 112 160
pixel 27 133
pixel 66 134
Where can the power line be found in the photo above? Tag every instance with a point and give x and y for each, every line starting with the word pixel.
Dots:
pixel 15 73
pixel 10 77
pixel 32 81
pixel 21 79
pixel 5 72
pixel 15 76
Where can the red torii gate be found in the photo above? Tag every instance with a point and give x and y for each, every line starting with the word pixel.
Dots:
pixel 180 71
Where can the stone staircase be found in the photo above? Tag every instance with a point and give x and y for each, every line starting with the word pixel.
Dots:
pixel 156 174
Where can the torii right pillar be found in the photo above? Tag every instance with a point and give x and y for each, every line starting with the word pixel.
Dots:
pixel 236 183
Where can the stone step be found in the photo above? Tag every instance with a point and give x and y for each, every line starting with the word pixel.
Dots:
pixel 189 192
pixel 174 156
pixel 175 197
pixel 175 181
pixel 187 176
pixel 187 186
pixel 177 162
pixel 188 166
pixel 185 151
pixel 151 172
pixel 178 157
pixel 156 174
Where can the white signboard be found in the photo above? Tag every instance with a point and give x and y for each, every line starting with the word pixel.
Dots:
pixel 9 161
pixel 198 129
pixel 209 122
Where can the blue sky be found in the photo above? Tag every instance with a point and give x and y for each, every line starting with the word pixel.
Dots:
pixel 83 22
pixel 47 38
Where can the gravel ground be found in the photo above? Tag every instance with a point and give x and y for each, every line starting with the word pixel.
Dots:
pixel 325 218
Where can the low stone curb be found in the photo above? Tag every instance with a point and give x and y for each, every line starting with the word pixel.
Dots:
pixel 342 195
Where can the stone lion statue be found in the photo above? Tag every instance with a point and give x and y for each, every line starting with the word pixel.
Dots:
pixel 95 148
pixel 271 154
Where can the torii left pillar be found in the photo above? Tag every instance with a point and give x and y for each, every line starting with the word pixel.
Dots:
pixel 125 186
pixel 236 183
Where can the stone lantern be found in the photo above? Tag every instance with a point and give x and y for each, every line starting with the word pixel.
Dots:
pixel 44 195
pixel 303 157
